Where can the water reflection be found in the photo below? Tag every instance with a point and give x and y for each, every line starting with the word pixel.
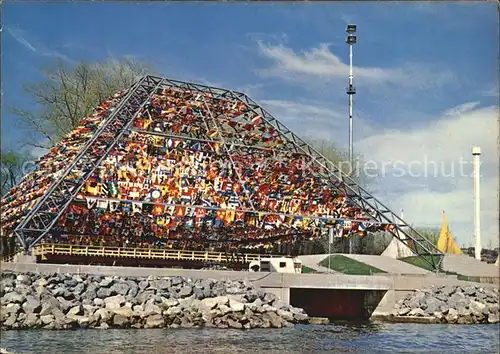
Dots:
pixel 339 338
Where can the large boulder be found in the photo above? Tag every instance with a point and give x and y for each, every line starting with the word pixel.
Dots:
pixel 155 321
pixel 120 288
pixel 47 319
pixel 76 310
pixel 151 309
pixel 121 321
pixel 13 297
pixel 185 291
pixel 107 282
pixel 275 320
pixel 104 292
pixel 123 311
pixel 13 308
pixel 31 321
pixel 104 315
pixel 166 303
pixel 32 305
pixel 79 288
pixel 114 302
pixel 236 306
pixel 23 279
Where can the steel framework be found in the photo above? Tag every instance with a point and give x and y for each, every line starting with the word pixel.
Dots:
pixel 38 222
pixel 50 207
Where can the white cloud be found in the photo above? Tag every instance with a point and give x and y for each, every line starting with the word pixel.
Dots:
pixel 445 140
pixel 320 63
pixel 18 37
pixel 462 108
pixel 439 181
pixel 313 120
pixel 424 207
pixel 491 92
pixel 40 49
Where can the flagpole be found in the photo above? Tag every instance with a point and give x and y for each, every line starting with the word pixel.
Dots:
pixel 330 241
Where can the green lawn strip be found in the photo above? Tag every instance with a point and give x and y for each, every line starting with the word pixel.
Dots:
pixel 346 265
pixel 306 269
pixel 417 261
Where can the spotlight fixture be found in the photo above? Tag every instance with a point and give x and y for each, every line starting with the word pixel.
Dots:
pixel 351 29
pixel 351 39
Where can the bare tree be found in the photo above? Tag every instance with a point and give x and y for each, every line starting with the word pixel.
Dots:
pixel 67 94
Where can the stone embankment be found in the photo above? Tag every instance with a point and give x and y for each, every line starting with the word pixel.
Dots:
pixel 451 304
pixel 63 301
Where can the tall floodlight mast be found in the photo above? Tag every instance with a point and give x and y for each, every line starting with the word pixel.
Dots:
pixel 350 40
pixel 351 90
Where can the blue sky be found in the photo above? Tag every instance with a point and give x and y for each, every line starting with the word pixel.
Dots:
pixel 426 77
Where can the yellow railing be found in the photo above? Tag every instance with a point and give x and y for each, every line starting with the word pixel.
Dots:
pixel 10 257
pixel 7 259
pixel 147 253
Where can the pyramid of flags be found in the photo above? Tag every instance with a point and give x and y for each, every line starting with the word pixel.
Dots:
pixel 194 171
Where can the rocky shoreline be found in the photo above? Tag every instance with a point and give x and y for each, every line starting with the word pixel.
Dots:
pixel 450 304
pixel 65 301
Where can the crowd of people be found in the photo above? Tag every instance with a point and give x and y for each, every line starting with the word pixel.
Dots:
pixel 195 172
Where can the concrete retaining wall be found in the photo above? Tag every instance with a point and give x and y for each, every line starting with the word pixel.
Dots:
pixel 395 287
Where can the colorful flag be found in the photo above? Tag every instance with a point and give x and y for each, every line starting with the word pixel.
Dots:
pixel 102 204
pixel 180 211
pixel 136 207
pixel 91 202
pixel 230 216
pixel 158 209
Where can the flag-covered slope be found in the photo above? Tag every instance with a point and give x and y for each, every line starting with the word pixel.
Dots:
pixel 20 199
pixel 195 171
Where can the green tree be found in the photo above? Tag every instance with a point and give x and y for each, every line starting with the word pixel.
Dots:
pixel 67 94
pixel 430 233
pixel 11 169
pixel 340 157
pixel 371 243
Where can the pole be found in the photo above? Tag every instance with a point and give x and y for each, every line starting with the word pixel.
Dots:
pixel 330 241
pixel 350 92
pixel 350 108
pixel 400 250
pixel 476 155
pixel 350 40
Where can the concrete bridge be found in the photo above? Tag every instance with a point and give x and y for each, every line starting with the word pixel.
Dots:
pixel 327 295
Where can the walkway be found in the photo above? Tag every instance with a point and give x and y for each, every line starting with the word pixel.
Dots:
pixel 468 266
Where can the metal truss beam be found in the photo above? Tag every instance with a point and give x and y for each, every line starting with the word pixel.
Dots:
pixel 358 195
pixel 50 207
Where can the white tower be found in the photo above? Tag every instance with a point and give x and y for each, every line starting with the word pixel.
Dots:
pixel 476 156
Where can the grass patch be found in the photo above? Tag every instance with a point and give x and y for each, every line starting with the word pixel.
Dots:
pixel 346 265
pixel 417 261
pixel 306 269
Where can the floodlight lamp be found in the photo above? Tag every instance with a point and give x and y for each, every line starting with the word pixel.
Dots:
pixel 351 39
pixel 351 29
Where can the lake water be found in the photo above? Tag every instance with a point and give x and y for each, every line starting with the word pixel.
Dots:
pixel 333 338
